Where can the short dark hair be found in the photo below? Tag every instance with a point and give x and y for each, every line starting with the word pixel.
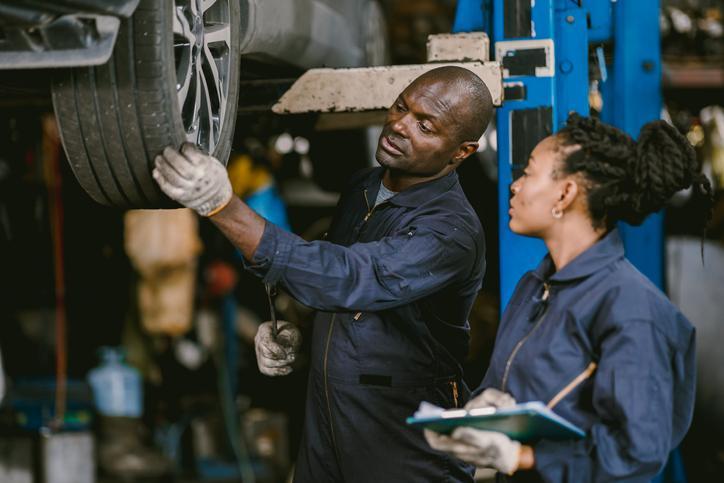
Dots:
pixel 476 103
pixel 627 179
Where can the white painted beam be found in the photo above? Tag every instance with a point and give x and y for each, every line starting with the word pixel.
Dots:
pixel 370 88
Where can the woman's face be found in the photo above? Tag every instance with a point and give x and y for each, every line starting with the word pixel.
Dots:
pixel 537 192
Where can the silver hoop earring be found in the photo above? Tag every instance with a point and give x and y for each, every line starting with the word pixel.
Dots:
pixel 557 213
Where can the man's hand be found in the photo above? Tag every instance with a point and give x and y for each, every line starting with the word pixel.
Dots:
pixel 484 449
pixel 491 397
pixel 194 179
pixel 275 356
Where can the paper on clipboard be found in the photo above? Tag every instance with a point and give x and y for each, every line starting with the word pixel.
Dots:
pixel 526 422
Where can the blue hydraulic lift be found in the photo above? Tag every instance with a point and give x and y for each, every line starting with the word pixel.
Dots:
pixel 551 50
pixel 548 48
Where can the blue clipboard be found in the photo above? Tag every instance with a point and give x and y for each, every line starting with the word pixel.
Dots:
pixel 526 422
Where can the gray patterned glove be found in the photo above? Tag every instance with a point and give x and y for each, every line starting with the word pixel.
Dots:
pixel 276 356
pixel 491 397
pixel 194 179
pixel 484 449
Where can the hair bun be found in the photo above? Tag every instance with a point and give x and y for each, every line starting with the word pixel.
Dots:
pixel 629 180
pixel 664 163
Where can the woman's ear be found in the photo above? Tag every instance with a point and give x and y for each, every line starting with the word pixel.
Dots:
pixel 570 189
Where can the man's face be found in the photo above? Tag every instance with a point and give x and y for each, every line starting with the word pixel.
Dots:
pixel 419 137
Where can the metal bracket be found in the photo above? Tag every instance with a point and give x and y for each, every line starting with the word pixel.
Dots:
pixel 526 57
pixel 93 46
pixel 51 33
pixel 463 47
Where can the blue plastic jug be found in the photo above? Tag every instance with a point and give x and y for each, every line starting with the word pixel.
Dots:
pixel 117 387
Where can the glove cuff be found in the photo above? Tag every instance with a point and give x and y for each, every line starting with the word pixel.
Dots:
pixel 217 209
pixel 216 202
pixel 511 459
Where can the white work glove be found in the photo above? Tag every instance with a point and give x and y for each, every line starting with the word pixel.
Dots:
pixel 491 397
pixel 483 449
pixel 275 356
pixel 194 179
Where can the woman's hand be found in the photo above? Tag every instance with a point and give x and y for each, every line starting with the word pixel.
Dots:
pixel 491 397
pixel 484 449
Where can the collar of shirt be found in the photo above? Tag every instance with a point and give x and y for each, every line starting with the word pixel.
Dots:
pixel 383 194
pixel 413 196
pixel 606 251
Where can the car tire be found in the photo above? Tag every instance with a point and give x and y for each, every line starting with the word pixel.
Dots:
pixel 173 78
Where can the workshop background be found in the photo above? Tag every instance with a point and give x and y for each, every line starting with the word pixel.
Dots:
pixel 126 339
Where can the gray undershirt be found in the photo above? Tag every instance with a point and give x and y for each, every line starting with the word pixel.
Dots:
pixel 384 194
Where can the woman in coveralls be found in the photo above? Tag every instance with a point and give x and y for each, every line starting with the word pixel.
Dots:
pixel 586 332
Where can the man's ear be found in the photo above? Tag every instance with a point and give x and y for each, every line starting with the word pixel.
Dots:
pixel 464 150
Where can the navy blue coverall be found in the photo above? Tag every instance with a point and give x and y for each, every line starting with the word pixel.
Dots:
pixel 637 405
pixel 393 285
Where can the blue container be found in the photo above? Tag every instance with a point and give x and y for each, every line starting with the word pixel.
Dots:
pixel 117 387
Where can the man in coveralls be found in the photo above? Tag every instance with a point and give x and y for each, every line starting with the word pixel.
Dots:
pixel 393 284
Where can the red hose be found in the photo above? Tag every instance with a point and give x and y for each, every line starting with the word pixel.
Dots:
pixel 51 159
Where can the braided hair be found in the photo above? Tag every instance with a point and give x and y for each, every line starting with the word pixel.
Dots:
pixel 627 180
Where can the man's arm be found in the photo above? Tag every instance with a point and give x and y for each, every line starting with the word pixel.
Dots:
pixel 241 225
pixel 409 264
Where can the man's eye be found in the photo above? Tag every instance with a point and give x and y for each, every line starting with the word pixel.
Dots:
pixel 423 127
pixel 400 107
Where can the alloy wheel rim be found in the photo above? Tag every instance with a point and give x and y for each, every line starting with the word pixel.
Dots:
pixel 202 53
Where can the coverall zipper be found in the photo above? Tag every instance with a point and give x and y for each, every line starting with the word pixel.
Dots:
pixel 454 388
pixel 509 362
pixel 370 210
pixel 326 349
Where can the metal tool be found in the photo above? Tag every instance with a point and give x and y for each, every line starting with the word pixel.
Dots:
pixel 271 292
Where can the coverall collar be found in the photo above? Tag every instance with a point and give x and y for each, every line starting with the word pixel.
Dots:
pixel 606 251
pixel 413 196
